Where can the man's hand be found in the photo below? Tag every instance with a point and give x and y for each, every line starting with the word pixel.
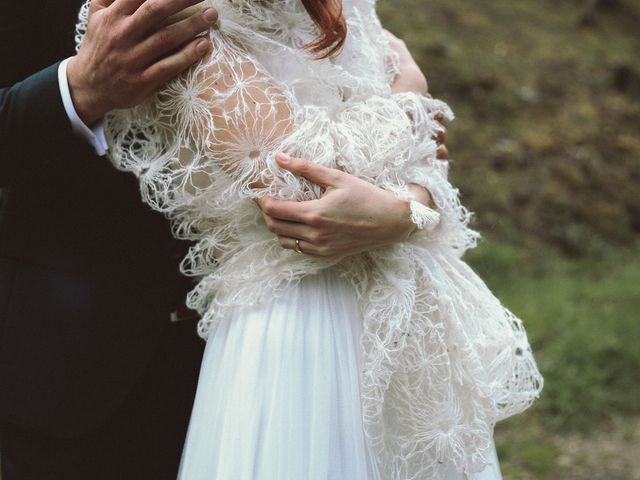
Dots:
pixel 352 216
pixel 130 49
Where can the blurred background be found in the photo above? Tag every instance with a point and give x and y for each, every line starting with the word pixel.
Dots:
pixel 546 151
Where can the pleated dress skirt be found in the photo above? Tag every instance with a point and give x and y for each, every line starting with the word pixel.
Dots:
pixel 278 395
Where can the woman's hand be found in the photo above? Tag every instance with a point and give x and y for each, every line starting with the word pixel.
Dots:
pixel 352 216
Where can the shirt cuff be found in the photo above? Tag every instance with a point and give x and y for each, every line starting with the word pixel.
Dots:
pixel 94 136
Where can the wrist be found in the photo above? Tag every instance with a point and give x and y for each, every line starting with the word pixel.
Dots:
pixel 83 96
pixel 423 217
pixel 416 209
pixel 398 224
pixel 405 210
pixel 421 194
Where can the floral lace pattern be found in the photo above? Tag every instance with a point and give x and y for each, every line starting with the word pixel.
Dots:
pixel 443 359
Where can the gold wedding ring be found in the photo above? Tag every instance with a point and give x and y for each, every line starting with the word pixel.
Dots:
pixel 298 249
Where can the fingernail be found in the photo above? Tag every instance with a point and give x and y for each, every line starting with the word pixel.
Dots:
pixel 284 158
pixel 202 47
pixel 210 15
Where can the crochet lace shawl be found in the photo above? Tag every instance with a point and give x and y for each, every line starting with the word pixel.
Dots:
pixel 443 360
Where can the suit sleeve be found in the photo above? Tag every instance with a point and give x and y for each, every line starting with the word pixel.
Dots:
pixel 33 124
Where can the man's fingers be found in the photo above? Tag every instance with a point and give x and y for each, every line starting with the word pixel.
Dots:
pixel 172 36
pixel 188 12
pixel 126 7
pixel 171 66
pixel 318 174
pixel 100 4
pixel 152 13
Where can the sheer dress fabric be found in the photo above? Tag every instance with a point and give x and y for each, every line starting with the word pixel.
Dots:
pixel 278 396
pixel 442 359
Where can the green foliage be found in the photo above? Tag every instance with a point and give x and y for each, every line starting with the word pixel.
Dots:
pixel 546 142
pixel 582 317
pixel 537 457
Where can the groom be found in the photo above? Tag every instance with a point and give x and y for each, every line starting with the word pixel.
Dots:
pixel 98 357
pixel 98 360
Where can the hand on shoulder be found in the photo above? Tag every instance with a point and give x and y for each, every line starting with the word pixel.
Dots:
pixel 131 48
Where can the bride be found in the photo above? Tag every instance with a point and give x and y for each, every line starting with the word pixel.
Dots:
pixel 392 364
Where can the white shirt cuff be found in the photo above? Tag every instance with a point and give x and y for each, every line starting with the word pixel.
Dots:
pixel 94 136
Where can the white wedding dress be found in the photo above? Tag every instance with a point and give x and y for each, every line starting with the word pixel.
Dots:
pixel 278 396
pixel 393 365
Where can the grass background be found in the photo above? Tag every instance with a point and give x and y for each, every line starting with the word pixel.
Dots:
pixel 546 150
pixel 582 319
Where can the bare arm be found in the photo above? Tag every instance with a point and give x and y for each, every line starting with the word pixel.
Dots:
pixel 411 78
pixel 353 216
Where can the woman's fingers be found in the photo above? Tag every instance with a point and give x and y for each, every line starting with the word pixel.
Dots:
pixel 301 246
pixel 306 248
pixel 318 174
pixel 292 229
pixel 311 240
pixel 442 152
pixel 287 210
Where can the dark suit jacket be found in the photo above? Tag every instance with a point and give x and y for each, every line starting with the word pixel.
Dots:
pixel 88 274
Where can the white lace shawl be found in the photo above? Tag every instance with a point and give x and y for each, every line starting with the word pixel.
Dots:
pixel 443 359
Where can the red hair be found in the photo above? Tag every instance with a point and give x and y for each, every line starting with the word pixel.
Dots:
pixel 328 17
